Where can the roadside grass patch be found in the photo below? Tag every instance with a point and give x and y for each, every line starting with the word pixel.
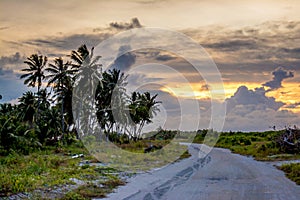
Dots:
pixel 46 169
pixel 292 171
pixel 260 145
pixel 92 190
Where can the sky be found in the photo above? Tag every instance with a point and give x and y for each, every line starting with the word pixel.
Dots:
pixel 254 44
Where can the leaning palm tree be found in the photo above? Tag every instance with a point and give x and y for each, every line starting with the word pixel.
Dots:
pixel 59 75
pixel 35 72
pixel 142 107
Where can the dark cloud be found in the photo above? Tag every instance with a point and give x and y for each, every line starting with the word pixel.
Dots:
pixel 253 110
pixel 124 61
pixel 205 87
pixel 233 45
pixel 164 57
pixel 156 55
pixel 244 96
pixel 70 42
pixel 292 105
pixel 136 79
pixel 134 23
pixel 251 51
pixel 291 50
pixel 247 51
pixel 12 59
pixel 3 28
pixel 146 2
pixel 65 43
pixel 278 76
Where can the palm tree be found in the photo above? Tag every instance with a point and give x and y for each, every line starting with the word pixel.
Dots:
pixel 80 56
pixel 110 98
pixel 59 76
pixel 35 73
pixel 7 109
pixel 86 67
pixel 87 76
pixel 142 109
pixel 27 107
pixel 150 108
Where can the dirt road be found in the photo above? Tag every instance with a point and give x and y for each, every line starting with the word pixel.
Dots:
pixel 220 175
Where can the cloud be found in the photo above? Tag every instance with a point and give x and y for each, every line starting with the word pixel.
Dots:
pixel 254 50
pixel 124 61
pixel 14 59
pixel 248 50
pixel 5 72
pixel 292 105
pixel 11 87
pixel 3 28
pixel 278 76
pixel 257 99
pixel 164 57
pixel 252 110
pixel 233 45
pixel 246 118
pixel 62 44
pixel 205 87
pixel 134 23
pixel 136 79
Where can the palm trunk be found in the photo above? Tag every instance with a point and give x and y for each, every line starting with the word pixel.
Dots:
pixel 38 108
pixel 62 118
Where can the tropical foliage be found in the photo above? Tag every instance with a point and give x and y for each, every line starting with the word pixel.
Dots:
pixel 45 117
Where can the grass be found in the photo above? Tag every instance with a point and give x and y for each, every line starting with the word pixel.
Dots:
pixel 131 157
pixel 292 171
pixel 91 190
pixel 140 145
pixel 54 167
pixel 260 145
pixel 47 169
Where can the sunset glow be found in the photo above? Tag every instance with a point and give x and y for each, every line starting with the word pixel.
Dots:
pixel 254 44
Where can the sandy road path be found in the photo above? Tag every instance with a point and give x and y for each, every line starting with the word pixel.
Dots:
pixel 220 175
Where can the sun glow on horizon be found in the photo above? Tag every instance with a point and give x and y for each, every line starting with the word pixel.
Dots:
pixel 288 94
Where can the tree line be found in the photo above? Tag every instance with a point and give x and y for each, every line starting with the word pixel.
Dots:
pixel 45 117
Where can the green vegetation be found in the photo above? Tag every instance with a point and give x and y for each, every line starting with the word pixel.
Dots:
pixel 292 171
pixel 50 168
pixel 90 190
pixel 260 145
pixel 46 118
pixel 38 135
